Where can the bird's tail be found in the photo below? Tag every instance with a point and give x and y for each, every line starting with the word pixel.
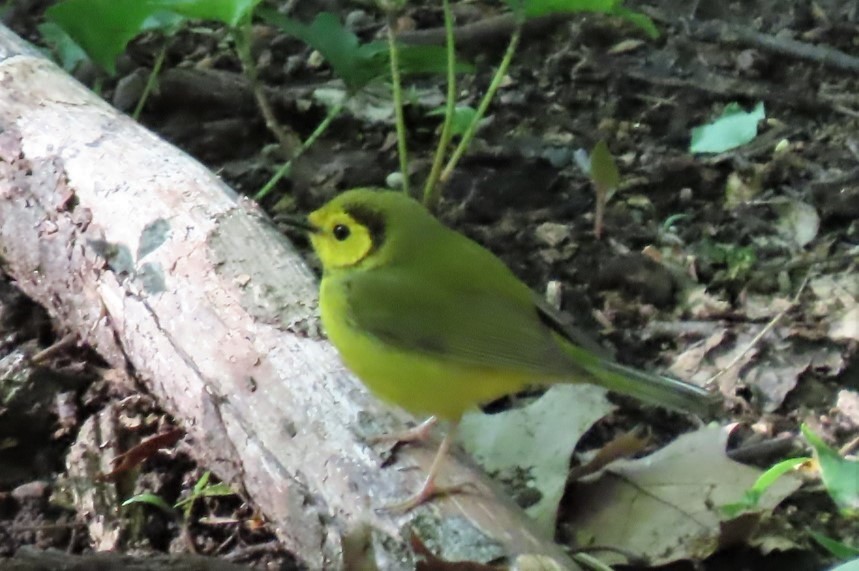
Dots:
pixel 647 387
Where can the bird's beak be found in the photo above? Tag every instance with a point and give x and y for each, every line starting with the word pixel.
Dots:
pixel 300 223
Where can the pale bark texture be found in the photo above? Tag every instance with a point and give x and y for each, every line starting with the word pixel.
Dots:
pixel 29 559
pixel 166 272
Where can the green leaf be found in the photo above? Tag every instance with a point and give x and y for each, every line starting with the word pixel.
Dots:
pixel 202 489
pixel 739 260
pixel 326 35
pixel 217 490
pixel 118 22
pixel 418 60
pixel 836 548
pixel 604 171
pixel 463 115
pixel 638 19
pixel 536 8
pixel 152 500
pixel 230 12
pixel 840 476
pixel 414 60
pixel 68 53
pixel 355 63
pixel 734 128
pixel 202 482
pixel 168 23
pixel 753 495
pixel 775 472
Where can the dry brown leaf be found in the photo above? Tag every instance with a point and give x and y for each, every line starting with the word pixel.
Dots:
pixel 145 449
pixel 837 304
pixel 771 366
pixel 623 446
pixel 848 405
pixel 667 506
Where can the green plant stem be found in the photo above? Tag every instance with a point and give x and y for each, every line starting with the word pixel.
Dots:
pixel 402 148
pixel 150 82
pixel 288 140
pixel 432 189
pixel 285 168
pixel 484 105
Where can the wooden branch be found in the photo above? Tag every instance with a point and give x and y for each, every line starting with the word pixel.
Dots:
pixel 31 559
pixel 724 32
pixel 162 269
pixel 493 28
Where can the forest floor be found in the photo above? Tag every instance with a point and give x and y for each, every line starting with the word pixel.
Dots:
pixel 736 269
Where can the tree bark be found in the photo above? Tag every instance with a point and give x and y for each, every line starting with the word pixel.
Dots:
pixel 166 272
pixel 31 559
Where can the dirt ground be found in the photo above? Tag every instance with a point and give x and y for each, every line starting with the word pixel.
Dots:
pixel 697 250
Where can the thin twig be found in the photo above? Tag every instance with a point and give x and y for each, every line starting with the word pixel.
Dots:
pixel 67 341
pixel 796 264
pixel 757 338
pixel 254 550
pixel 849 447
pixel 288 140
pixel 485 31
pixel 631 558
pixel 724 32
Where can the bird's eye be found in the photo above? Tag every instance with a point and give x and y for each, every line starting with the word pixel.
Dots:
pixel 341 232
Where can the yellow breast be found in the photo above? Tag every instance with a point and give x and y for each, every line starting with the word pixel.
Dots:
pixel 419 383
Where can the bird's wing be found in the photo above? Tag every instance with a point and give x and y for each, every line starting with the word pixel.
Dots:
pixel 464 323
pixel 563 326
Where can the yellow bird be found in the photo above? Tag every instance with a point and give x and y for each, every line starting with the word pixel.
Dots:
pixel 433 322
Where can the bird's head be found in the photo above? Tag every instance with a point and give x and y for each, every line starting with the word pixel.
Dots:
pixel 360 227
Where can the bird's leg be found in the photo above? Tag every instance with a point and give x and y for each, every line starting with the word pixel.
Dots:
pixel 430 490
pixel 418 433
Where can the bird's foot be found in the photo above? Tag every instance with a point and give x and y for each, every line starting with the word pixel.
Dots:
pixel 428 491
pixel 418 433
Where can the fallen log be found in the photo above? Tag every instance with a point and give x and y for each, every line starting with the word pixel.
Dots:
pixel 167 273
pixel 31 559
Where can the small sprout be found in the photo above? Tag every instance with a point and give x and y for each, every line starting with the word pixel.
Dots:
pixel 202 489
pixel 840 475
pixel 668 225
pixel 738 260
pixel 753 495
pixel 605 176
